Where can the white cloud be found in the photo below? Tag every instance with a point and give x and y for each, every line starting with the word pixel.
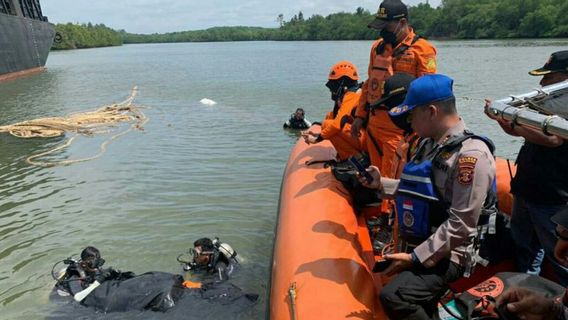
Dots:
pixel 149 16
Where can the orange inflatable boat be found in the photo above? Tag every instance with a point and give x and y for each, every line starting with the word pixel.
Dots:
pixel 323 257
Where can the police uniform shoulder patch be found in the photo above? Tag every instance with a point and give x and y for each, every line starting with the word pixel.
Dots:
pixel 445 155
pixel 466 169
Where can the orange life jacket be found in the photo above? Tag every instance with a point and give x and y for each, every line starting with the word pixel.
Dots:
pixel 414 56
pixel 337 126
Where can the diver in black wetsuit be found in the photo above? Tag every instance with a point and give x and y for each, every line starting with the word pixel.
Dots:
pixel 109 290
pixel 211 257
pixel 297 121
pixel 76 279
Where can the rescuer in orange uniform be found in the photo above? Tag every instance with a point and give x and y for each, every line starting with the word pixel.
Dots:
pixel 344 87
pixel 399 50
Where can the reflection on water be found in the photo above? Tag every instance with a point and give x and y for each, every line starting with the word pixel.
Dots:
pixel 195 170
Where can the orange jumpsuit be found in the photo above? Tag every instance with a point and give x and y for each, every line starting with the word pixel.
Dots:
pixel 419 59
pixel 340 136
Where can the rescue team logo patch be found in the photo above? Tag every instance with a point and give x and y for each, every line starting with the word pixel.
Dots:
pixel 408 219
pixel 374 84
pixel 490 287
pixel 466 169
pixel 431 64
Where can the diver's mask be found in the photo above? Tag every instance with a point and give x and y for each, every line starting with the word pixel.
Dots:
pixel 94 263
pixel 192 259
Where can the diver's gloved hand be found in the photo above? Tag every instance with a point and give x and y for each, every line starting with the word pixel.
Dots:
pixel 105 274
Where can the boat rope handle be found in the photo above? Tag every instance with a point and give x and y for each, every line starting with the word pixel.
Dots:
pixel 292 294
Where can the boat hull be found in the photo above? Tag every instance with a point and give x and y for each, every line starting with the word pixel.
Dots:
pixel 24 45
pixel 321 247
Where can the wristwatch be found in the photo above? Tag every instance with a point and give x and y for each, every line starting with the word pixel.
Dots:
pixel 415 261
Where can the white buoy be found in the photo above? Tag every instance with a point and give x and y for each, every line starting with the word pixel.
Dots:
pixel 208 102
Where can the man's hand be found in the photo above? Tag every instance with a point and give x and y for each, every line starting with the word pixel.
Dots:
pixel 400 262
pixel 310 137
pixel 486 110
pixel 104 275
pixel 376 182
pixel 561 249
pixel 528 304
pixel 356 128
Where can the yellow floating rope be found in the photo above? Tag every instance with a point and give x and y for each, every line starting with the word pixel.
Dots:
pixel 101 120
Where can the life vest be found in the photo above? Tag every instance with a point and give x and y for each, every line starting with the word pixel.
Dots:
pixel 403 153
pixel 421 209
pixel 382 68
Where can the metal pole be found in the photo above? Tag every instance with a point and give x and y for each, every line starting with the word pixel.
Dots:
pixel 553 125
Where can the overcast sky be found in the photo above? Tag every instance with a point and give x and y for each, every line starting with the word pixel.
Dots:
pixel 149 16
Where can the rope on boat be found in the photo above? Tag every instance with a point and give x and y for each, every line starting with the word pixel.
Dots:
pixel 89 123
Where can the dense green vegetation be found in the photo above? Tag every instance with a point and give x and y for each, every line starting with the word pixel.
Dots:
pixel 453 19
pixel 477 19
pixel 75 36
pixel 212 34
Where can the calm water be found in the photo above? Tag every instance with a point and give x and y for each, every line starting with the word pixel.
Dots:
pixel 195 171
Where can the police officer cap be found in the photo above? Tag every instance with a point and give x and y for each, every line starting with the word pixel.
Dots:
pixel 389 10
pixel 425 90
pixel 558 62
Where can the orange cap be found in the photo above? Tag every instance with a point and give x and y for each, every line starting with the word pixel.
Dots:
pixel 343 69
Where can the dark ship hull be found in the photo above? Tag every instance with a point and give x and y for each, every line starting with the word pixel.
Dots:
pixel 24 44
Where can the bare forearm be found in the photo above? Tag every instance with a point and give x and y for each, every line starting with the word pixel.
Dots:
pixel 537 137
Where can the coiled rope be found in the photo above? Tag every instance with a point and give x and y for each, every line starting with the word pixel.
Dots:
pixel 99 121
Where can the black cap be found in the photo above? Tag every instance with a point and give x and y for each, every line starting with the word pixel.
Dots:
pixel 389 10
pixel 558 62
pixel 561 218
pixel 395 90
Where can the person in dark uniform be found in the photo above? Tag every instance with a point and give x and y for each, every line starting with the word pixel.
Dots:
pixel 540 186
pixel 298 121
pixel 440 198
pixel 529 304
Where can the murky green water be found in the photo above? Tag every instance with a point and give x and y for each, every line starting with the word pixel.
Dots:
pixel 195 171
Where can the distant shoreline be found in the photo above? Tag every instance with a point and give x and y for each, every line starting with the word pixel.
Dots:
pixel 482 20
pixel 553 41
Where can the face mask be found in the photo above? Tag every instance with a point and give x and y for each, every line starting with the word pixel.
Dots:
pixel 390 37
pixel 335 88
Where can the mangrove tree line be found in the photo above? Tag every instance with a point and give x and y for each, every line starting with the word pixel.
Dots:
pixel 453 19
pixel 79 36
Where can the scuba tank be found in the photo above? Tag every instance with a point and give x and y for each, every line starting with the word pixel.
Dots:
pixel 225 249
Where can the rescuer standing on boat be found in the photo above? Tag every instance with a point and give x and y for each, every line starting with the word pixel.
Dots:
pixel 540 186
pixel 344 87
pixel 440 198
pixel 398 50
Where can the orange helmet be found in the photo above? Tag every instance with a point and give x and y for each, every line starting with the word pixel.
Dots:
pixel 343 69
